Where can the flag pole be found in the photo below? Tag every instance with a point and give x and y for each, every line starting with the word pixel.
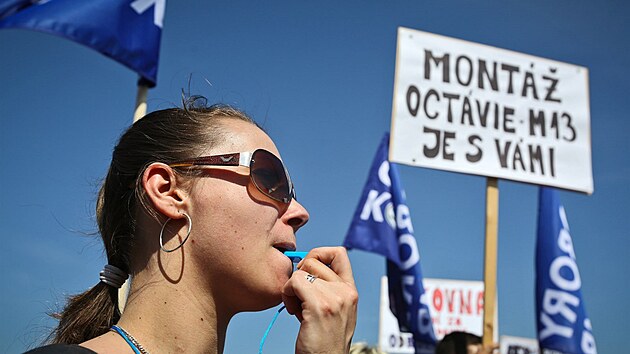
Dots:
pixel 490 260
pixel 141 101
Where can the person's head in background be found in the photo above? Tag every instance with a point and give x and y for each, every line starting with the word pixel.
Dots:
pixel 459 343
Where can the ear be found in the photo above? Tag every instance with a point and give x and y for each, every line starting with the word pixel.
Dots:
pixel 160 184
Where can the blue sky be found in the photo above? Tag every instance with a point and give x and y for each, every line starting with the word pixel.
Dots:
pixel 319 77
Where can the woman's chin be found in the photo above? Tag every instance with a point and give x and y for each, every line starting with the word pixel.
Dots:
pixel 264 303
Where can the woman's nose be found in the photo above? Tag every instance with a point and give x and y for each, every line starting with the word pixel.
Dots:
pixel 296 215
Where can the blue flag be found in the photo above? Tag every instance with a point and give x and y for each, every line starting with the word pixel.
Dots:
pixel 127 31
pixel 382 225
pixel 563 325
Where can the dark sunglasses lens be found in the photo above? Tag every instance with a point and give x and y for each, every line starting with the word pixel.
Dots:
pixel 268 175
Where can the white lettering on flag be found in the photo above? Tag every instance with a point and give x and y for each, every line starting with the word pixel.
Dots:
pixel 588 341
pixel 552 328
pixel 561 301
pixel 403 218
pixel 424 318
pixel 555 302
pixel 373 205
pixel 140 6
pixel 414 255
pixel 383 174
pixel 561 281
pixel 407 280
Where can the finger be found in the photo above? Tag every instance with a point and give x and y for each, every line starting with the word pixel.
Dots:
pixel 297 291
pixel 316 267
pixel 336 258
pixel 293 306
pixel 300 287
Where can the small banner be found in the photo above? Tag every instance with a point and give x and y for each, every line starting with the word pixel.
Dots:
pixel 382 224
pixel 563 326
pixel 455 305
pixel 127 31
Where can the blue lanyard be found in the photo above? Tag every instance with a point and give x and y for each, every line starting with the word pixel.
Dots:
pixel 262 342
pixel 260 350
pixel 124 336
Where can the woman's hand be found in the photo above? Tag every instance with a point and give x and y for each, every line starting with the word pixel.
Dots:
pixel 327 306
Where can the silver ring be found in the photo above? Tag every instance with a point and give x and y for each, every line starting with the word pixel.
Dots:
pixel 311 278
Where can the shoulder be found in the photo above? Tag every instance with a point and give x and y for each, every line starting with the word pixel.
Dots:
pixel 61 348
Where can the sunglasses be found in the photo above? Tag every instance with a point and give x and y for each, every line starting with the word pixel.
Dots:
pixel 266 171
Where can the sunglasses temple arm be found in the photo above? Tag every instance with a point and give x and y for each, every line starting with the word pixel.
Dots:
pixel 245 159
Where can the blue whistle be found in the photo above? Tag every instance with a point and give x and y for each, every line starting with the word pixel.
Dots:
pixel 295 256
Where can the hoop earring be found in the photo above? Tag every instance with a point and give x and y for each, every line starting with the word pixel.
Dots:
pixel 185 238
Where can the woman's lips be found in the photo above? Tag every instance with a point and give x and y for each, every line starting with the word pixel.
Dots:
pixel 284 246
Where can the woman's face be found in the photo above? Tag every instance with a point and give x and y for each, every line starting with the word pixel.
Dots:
pixel 238 232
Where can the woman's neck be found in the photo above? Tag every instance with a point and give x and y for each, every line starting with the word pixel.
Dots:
pixel 173 318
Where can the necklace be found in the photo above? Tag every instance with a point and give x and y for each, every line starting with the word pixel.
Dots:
pixel 133 343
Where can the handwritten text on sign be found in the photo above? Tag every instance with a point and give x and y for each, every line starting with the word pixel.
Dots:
pixel 454 305
pixel 466 107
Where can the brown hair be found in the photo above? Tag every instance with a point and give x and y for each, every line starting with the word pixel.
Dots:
pixel 162 136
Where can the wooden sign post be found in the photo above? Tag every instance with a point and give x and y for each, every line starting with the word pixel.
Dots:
pixel 490 259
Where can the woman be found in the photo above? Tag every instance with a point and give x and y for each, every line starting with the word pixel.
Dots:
pixel 198 208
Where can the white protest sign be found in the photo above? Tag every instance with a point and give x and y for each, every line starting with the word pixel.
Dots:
pixel 518 345
pixel 455 305
pixel 471 108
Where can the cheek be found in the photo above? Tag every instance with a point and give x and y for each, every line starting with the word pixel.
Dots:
pixel 238 226
pixel 233 235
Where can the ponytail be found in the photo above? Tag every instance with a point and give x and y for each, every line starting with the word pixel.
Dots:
pixel 93 312
pixel 87 315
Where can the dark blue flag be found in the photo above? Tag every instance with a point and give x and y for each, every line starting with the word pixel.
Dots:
pixel 563 325
pixel 127 31
pixel 382 225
